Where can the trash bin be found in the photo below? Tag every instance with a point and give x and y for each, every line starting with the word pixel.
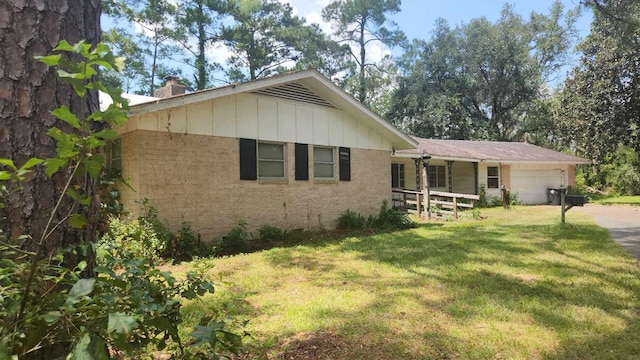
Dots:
pixel 553 196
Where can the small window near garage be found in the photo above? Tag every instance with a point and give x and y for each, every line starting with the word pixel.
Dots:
pixel 323 162
pixel 437 177
pixel 493 177
pixel 397 175
pixel 271 160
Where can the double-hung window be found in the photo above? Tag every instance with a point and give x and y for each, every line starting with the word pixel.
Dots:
pixel 493 177
pixel 323 162
pixel 437 178
pixel 271 160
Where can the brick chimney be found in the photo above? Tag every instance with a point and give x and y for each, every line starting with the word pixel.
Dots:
pixel 172 88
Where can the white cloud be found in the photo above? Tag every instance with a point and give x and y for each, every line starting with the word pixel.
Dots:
pixel 219 53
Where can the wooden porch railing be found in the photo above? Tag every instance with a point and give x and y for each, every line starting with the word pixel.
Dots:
pixel 447 203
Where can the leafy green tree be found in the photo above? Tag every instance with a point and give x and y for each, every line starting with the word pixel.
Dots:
pixel 359 23
pixel 600 103
pixel 267 38
pixel 481 80
pixel 135 75
pixel 319 52
pixel 148 50
pixel 201 20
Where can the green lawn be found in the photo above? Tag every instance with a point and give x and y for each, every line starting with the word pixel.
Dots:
pixel 517 285
pixel 629 200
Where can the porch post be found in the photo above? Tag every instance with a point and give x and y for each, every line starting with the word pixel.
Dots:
pixel 425 173
pixel 417 161
pixel 449 175
pixel 475 176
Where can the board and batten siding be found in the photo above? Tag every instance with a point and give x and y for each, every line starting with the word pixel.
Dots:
pixel 463 177
pixel 263 118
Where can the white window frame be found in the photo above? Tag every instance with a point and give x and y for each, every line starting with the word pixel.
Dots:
pixel 439 168
pixel 497 177
pixel 317 162
pixel 283 161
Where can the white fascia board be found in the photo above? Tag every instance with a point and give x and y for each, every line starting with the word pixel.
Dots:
pixel 496 161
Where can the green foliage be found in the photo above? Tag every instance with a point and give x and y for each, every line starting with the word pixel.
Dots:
pixel 266 35
pixel 621 171
pixel 600 108
pixel 350 220
pixel 56 305
pixel 148 238
pixel 494 201
pixel 359 23
pixel 483 202
pixel 481 80
pixel 271 233
pixel 134 238
pixel 186 243
pixel 387 219
pixel 236 241
pixel 581 183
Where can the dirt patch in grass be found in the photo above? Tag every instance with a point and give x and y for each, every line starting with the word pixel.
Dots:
pixel 318 345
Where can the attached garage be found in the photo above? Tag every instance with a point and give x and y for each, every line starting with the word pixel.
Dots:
pixel 531 181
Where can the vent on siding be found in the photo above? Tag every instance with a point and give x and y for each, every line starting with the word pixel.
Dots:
pixel 297 92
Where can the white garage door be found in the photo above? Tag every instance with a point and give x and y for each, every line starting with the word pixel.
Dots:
pixel 531 184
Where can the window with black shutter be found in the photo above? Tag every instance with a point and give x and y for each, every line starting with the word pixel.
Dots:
pixel 248 160
pixel 302 161
pixel 344 162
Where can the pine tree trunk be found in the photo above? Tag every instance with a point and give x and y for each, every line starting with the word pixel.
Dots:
pixel 28 92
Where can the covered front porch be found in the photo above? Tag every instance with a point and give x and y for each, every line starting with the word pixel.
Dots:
pixel 422 184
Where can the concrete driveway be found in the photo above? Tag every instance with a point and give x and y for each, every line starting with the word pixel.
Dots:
pixel 622 221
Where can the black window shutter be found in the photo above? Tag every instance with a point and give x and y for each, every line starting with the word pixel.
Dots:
pixel 345 164
pixel 248 160
pixel 394 175
pixel 302 161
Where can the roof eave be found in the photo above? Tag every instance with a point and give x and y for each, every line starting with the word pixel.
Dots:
pixel 488 160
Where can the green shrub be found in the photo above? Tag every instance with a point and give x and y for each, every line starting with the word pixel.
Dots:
pixel 350 220
pixel 625 180
pixel 387 219
pixel 581 183
pixel 392 219
pixel 135 238
pixel 186 244
pixel 236 241
pixel 271 233
pixel 483 202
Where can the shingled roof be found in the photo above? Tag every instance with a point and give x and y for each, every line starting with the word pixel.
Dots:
pixel 487 151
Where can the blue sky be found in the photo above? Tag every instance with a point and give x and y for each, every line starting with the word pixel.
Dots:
pixel 417 18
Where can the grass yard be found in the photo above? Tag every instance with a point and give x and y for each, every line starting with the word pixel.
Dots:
pixel 628 200
pixel 516 285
